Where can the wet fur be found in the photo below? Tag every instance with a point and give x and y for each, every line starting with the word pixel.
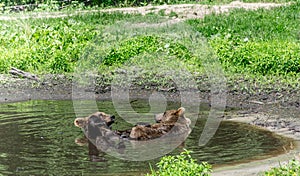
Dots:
pixel 172 121
pixel 97 126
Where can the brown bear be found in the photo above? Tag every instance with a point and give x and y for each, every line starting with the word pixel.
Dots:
pixel 97 129
pixel 98 124
pixel 172 121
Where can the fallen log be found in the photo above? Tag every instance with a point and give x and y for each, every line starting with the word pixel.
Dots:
pixel 23 74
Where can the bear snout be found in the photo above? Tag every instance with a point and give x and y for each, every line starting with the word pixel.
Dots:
pixel 79 122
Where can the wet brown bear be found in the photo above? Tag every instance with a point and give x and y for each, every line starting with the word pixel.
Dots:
pixel 172 121
pixel 97 129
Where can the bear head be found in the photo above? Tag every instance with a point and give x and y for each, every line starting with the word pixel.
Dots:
pixel 95 119
pixel 173 116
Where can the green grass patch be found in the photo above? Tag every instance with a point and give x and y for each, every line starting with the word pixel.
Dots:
pixel 50 45
pixel 262 58
pixel 280 23
pixel 182 164
pixel 262 42
pixel 290 169
pixel 152 56
pixel 147 43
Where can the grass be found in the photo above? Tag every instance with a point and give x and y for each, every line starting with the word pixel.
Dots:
pixel 50 45
pixel 290 169
pixel 136 56
pixel 182 164
pixel 256 44
pixel 260 42
pixel 259 25
pixel 259 46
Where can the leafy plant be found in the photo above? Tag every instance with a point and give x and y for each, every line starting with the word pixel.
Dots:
pixel 179 165
pixel 290 169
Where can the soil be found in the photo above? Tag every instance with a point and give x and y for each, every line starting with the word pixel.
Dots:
pixel 275 110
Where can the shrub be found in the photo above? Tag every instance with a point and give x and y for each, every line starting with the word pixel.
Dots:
pixel 182 164
pixel 290 169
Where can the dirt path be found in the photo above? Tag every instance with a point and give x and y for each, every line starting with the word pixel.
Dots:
pixel 183 11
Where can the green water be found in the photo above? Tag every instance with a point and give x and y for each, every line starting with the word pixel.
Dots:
pixel 37 138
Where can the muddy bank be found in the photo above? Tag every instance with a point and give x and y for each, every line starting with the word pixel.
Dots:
pixel 274 109
pixel 271 109
pixel 13 89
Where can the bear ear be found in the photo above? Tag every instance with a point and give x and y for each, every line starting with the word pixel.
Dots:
pixel 180 111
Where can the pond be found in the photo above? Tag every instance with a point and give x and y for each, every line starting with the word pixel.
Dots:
pixel 38 138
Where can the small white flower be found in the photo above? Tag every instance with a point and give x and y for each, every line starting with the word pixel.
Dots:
pixel 246 39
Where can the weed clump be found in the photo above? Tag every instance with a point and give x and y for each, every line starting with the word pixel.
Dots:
pixel 182 164
pixel 289 169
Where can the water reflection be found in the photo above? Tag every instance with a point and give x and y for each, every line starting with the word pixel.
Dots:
pixel 38 138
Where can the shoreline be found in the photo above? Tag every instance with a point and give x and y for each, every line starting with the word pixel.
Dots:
pixel 259 166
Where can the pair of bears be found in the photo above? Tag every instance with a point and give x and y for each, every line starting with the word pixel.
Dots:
pixel 99 124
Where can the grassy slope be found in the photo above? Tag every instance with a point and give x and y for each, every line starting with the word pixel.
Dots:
pixel 261 44
pixel 263 41
pixel 49 45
